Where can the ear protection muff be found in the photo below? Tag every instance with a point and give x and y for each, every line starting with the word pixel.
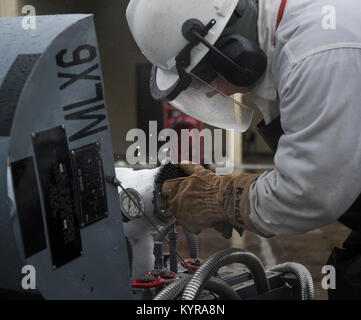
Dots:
pixel 250 60
pixel 235 57
pixel 238 57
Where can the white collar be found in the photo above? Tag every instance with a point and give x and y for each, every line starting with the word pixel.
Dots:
pixel 267 21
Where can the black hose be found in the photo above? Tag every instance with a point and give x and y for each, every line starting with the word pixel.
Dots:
pixel 158 255
pixel 192 241
pixel 220 259
pixel 221 288
pixel 173 258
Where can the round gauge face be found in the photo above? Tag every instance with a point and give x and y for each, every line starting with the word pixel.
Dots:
pixel 127 205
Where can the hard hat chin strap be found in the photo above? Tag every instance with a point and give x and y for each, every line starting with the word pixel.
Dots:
pixel 195 32
pixel 237 59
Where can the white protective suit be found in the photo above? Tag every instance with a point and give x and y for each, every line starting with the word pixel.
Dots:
pixel 313 82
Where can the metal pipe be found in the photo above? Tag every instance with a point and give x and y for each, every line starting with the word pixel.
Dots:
pixel 130 255
pixel 163 233
pixel 158 247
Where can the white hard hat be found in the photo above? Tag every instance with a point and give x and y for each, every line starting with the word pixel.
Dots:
pixel 176 36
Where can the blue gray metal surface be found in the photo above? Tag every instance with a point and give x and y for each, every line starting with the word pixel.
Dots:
pixel 51 78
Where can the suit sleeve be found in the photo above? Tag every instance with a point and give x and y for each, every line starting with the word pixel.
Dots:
pixel 318 160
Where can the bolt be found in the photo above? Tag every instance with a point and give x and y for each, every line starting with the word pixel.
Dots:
pixel 148 278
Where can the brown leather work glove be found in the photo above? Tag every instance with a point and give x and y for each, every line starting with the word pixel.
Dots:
pixel 204 200
pixel 224 228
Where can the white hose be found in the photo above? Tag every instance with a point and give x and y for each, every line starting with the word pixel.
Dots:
pixel 307 291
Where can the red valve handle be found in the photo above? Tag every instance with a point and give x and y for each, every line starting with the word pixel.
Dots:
pixel 141 284
pixel 189 264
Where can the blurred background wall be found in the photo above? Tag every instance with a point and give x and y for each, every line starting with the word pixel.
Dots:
pixel 8 8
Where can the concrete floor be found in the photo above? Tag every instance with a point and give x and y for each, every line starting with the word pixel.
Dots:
pixel 311 249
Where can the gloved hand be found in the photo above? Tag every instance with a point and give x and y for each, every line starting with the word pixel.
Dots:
pixel 224 228
pixel 204 200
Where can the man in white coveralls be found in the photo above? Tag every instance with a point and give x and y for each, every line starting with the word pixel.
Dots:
pixel 300 63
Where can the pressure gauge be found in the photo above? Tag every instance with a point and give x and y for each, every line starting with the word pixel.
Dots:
pixel 130 209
